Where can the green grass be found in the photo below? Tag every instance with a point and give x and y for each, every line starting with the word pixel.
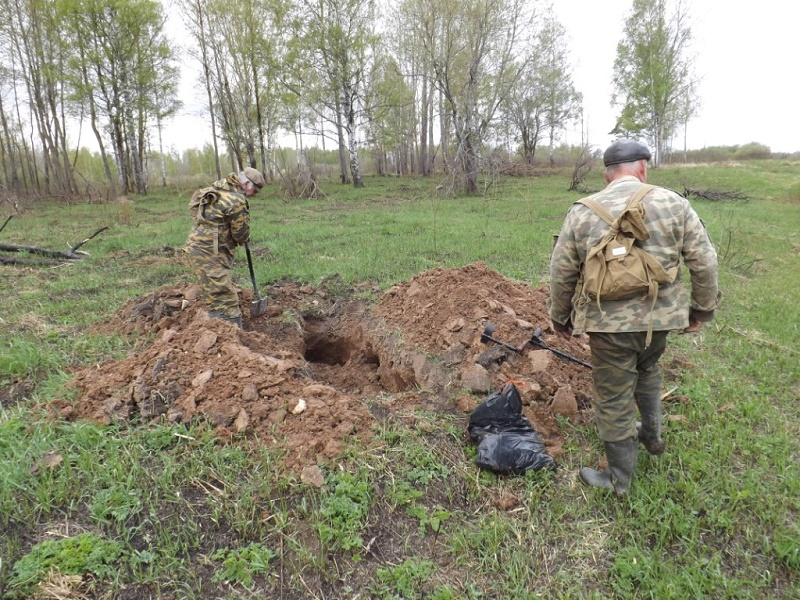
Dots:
pixel 168 512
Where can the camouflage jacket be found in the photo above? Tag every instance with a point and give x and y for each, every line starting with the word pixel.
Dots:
pixel 676 232
pixel 221 217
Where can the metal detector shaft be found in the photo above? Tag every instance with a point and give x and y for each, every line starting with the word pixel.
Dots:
pixel 487 338
pixel 537 341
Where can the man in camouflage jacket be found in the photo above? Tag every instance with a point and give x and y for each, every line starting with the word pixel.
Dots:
pixel 221 223
pixel 625 369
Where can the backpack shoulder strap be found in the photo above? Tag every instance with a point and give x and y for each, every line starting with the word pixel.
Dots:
pixel 635 199
pixel 598 208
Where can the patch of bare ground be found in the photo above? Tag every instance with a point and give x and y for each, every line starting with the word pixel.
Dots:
pixel 318 370
pixel 16 391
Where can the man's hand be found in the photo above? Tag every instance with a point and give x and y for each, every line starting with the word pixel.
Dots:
pixel 565 331
pixel 694 326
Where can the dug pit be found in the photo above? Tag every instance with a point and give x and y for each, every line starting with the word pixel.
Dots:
pixel 318 369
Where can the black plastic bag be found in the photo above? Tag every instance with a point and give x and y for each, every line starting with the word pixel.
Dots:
pixel 507 442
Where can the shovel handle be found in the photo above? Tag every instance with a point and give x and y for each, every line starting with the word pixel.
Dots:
pixel 250 267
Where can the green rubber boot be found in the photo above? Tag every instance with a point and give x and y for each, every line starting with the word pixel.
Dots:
pixel 649 428
pixel 619 473
pixel 235 320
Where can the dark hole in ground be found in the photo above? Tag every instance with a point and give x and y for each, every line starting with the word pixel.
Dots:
pixel 326 345
pixel 347 354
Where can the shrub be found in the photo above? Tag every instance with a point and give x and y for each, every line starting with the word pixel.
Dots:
pixel 752 151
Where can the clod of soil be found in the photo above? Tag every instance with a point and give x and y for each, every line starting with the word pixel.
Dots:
pixel 317 370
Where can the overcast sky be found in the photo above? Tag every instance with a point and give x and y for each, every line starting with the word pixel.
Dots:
pixel 746 61
pixel 748 84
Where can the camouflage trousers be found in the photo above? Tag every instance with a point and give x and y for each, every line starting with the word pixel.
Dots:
pixel 623 373
pixel 213 273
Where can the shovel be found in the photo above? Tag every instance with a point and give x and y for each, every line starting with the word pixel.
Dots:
pixel 259 306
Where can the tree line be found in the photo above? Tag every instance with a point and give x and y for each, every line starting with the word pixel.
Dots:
pixel 415 83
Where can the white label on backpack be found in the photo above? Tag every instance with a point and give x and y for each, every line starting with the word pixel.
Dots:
pixel 619 251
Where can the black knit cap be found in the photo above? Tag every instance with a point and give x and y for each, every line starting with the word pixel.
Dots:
pixel 624 151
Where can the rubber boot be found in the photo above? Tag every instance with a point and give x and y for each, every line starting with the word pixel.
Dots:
pixel 236 321
pixel 215 314
pixel 618 474
pixel 649 428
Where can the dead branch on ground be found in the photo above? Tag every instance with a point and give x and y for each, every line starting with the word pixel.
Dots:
pixel 79 244
pixel 44 256
pixel 714 195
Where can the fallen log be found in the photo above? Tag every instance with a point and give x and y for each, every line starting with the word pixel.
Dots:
pixel 18 260
pixel 49 256
pixel 41 251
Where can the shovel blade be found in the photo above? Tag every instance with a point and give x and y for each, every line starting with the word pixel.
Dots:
pixel 258 307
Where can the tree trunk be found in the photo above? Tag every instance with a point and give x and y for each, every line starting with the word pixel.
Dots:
pixel 133 151
pixel 163 161
pixel 444 132
pixel 10 170
pixel 201 39
pixel 432 148
pixel 352 142
pixel 424 165
pixel 112 183
pixel 470 166
pixel 342 149
pixel 27 159
pixel 259 116
pixel 119 155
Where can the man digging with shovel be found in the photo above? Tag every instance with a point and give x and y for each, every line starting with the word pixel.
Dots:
pixel 221 223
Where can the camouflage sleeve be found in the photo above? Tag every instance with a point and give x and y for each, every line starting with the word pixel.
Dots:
pixel 700 258
pixel 240 222
pixel 565 265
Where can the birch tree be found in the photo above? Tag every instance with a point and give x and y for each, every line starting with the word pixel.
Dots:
pixel 33 46
pixel 477 50
pixel 241 48
pixel 195 16
pixel 119 70
pixel 334 41
pixel 415 69
pixel 653 75
pixel 544 100
pixel 167 104
pixel 525 112
pixel 562 101
pixel 390 116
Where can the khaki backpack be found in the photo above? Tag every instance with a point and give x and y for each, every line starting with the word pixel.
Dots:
pixel 617 267
pixel 199 200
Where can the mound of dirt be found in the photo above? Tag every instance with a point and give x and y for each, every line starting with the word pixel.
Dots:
pixel 318 369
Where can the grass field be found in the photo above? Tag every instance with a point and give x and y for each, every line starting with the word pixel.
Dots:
pixel 165 511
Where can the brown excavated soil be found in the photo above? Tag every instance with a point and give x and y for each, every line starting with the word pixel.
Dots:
pixel 350 364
